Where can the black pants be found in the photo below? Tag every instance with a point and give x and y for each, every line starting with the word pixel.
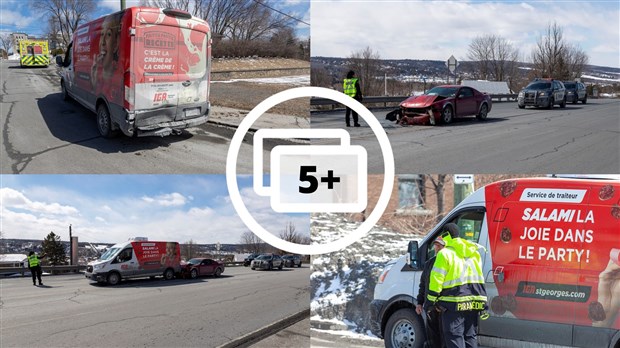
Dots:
pixel 459 329
pixel 36 274
pixel 434 337
pixel 348 118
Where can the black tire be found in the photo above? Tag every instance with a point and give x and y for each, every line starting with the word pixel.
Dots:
pixel 252 268
pixel 575 99
pixel 114 278
pixel 104 122
pixel 169 274
pixel 563 104
pixel 299 266
pixel 281 266
pixel 551 102
pixel 521 106
pixel 218 272
pixel 404 329
pixel 484 111
pixel 270 266
pixel 193 274
pixel 65 94
pixel 585 99
pixel 447 115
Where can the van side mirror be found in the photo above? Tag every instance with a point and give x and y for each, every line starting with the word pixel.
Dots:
pixel 59 60
pixel 413 257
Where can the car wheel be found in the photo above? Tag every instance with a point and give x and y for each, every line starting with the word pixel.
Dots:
pixel 585 99
pixel 447 115
pixel 270 266
pixel 168 274
pixel 218 272
pixel 299 266
pixel 114 278
pixel 521 106
pixel 193 274
pixel 484 110
pixel 253 268
pixel 281 266
pixel 104 122
pixel 65 94
pixel 404 329
pixel 575 99
pixel 563 104
pixel 550 106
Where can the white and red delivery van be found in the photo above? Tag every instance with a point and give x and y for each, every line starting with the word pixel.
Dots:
pixel 550 249
pixel 136 259
pixel 143 71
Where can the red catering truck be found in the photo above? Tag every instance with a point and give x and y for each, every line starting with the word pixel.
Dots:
pixel 143 71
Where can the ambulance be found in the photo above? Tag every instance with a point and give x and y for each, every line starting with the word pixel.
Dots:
pixel 135 259
pixel 34 53
pixel 143 71
pixel 550 249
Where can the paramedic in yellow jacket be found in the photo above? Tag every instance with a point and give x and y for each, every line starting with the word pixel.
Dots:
pixel 456 286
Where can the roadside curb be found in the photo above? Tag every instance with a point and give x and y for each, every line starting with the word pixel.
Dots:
pixel 255 336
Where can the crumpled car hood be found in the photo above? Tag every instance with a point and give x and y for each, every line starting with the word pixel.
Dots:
pixel 420 101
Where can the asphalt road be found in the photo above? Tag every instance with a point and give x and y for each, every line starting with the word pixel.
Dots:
pixel 580 139
pixel 71 311
pixel 42 134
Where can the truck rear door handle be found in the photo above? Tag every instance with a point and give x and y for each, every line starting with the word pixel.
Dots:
pixel 186 83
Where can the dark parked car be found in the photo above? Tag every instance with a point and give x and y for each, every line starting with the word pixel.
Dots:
pixel 442 104
pixel 575 92
pixel 542 93
pixel 268 262
pixel 197 267
pixel 291 260
pixel 248 260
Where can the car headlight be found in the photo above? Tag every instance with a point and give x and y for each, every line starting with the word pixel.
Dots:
pixel 99 266
pixel 542 94
pixel 570 92
pixel 521 94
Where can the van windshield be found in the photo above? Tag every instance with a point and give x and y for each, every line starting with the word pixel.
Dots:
pixel 108 255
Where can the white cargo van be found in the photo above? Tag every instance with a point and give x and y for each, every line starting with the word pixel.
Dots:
pixel 135 259
pixel 143 71
pixel 551 266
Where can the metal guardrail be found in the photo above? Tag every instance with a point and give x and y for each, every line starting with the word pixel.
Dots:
pixel 71 269
pixel 385 100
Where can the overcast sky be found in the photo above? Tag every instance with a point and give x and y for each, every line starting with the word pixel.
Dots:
pixel 437 30
pixel 113 208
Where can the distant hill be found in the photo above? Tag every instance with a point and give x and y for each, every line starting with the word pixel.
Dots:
pixel 436 70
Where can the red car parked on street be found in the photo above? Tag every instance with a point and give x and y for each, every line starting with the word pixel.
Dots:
pixel 442 104
pixel 197 267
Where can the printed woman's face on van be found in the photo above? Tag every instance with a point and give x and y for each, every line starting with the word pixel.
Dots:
pixel 108 45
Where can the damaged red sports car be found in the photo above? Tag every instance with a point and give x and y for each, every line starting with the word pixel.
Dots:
pixel 441 105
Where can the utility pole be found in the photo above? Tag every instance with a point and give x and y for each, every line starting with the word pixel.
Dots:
pixel 122 5
pixel 70 247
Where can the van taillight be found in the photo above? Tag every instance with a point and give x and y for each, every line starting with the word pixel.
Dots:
pixel 177 13
pixel 129 84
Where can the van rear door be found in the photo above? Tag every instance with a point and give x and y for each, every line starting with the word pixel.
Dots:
pixel 170 59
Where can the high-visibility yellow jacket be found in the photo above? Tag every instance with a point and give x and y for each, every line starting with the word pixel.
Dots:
pixel 33 260
pixel 348 87
pixel 456 282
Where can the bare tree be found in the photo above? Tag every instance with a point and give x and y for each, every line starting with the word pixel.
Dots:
pixel 188 249
pixel 554 57
pixel 495 57
pixel 438 183
pixel 290 234
pixel 319 77
pixel 252 243
pixel 6 42
pixel 366 64
pixel 68 13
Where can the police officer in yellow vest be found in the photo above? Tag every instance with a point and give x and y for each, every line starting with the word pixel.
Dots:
pixel 456 286
pixel 351 87
pixel 34 264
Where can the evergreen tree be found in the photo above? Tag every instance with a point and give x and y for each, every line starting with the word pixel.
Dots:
pixel 53 250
